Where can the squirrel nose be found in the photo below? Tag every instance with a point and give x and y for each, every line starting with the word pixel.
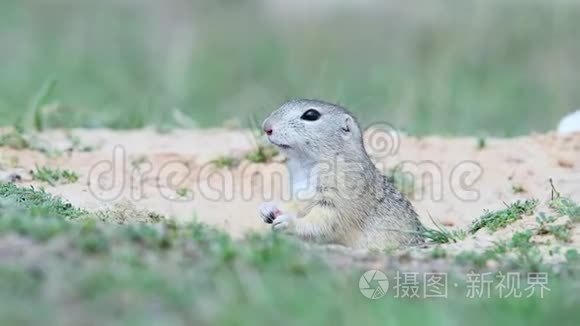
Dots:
pixel 268 129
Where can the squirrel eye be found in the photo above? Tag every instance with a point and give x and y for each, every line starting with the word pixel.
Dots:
pixel 310 115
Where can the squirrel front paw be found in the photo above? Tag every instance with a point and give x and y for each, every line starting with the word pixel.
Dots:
pixel 283 222
pixel 269 212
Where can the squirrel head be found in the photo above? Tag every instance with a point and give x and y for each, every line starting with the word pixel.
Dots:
pixel 314 130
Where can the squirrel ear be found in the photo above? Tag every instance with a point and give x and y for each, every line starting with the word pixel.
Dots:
pixel 347 126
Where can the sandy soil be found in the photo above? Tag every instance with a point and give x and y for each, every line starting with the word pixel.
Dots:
pixel 172 173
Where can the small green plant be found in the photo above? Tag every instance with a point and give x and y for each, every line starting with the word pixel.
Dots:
pixel 518 189
pixel 36 111
pixel 70 176
pixel 481 143
pixel 54 176
pixel 182 192
pixel 543 218
pixel 521 240
pixel 76 144
pixel 560 232
pixel 19 140
pixel 442 235
pixel 38 201
pixel 519 252
pixel 566 207
pixel 438 253
pixel 139 160
pixel 262 154
pixel 525 253
pixel 14 139
pixel 495 220
pixel 225 162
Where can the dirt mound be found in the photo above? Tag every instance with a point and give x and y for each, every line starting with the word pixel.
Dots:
pixel 183 174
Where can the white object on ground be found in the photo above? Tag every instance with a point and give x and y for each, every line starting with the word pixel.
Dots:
pixel 570 123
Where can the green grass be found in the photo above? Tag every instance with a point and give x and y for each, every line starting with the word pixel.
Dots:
pixel 34 200
pixel 183 192
pixel 521 240
pixel 36 120
pixel 15 140
pixel 565 206
pixel 481 143
pixel 194 274
pixel 441 234
pixel 76 144
pixel 518 253
pixel 495 220
pixel 263 151
pixel 54 176
pixel 560 232
pixel 225 162
pixel 21 139
pixel 262 154
pixel 448 67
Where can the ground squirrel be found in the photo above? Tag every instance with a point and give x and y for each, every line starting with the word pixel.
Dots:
pixel 339 196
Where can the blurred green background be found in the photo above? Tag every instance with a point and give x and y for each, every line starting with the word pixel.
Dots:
pixel 441 66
